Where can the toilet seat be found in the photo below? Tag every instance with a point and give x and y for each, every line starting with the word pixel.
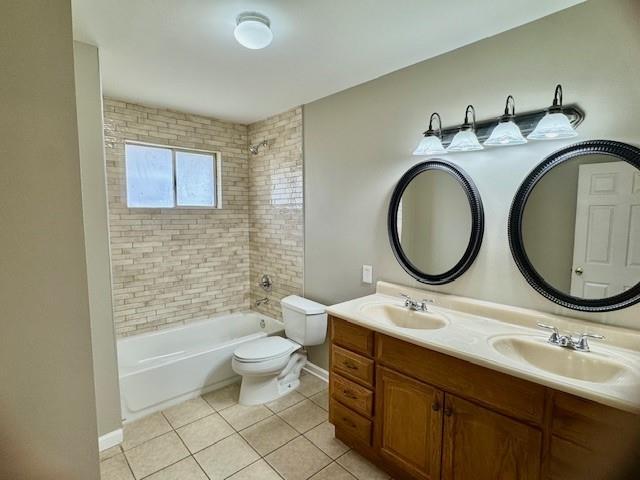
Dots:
pixel 265 350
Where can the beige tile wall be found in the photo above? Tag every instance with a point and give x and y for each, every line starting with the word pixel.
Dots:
pixel 175 265
pixel 276 223
pixel 171 266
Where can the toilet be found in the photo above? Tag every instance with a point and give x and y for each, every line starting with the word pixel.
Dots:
pixel 270 367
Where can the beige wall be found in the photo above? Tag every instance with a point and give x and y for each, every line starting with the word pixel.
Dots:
pixel 276 224
pixel 96 234
pixel 47 402
pixel 171 266
pixel 358 143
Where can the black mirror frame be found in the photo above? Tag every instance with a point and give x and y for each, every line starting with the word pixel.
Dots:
pixel 477 222
pixel 620 150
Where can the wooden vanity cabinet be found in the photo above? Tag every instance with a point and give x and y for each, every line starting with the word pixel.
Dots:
pixel 420 414
pixel 409 424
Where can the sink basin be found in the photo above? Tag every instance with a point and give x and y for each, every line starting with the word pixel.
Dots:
pixel 585 366
pixel 404 318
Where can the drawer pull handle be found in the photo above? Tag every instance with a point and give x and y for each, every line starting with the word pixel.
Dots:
pixel 350 366
pixel 349 422
pixel 435 407
pixel 350 394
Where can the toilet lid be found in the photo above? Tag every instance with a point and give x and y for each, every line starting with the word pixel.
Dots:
pixel 265 349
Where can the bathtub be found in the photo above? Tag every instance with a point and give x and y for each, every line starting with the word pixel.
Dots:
pixel 160 369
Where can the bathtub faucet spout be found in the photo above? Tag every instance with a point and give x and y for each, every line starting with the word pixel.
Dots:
pixel 262 301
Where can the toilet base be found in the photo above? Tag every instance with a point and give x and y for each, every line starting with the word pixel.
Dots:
pixel 257 390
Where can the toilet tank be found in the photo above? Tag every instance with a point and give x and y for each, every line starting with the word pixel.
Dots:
pixel 305 321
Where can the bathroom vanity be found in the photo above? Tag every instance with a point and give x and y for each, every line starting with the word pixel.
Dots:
pixel 472 390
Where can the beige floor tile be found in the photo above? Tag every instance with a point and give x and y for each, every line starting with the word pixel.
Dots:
pixel 144 429
pixel 360 467
pixel 321 399
pixel 285 402
pixel 304 416
pixel 204 432
pixel 110 452
pixel 268 435
pixel 226 457
pixel 310 384
pixel 223 398
pixel 298 459
pixel 323 437
pixel 333 472
pixel 156 454
pixel 187 412
pixel 187 469
pixel 259 470
pixel 243 416
pixel 115 468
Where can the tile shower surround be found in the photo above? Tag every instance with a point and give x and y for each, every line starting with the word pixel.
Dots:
pixel 171 266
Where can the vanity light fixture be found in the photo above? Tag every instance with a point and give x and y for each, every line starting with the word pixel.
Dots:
pixel 506 132
pixel 253 30
pixel 466 140
pixel 431 144
pixel 555 124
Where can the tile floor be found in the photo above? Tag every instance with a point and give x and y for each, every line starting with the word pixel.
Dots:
pixel 213 437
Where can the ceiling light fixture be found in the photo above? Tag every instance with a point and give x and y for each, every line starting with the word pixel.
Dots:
pixel 555 125
pixel 253 30
pixel 506 132
pixel 431 144
pixel 466 139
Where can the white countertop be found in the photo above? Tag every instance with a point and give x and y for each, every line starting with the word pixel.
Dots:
pixel 472 325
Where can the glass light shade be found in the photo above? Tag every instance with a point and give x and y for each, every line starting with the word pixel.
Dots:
pixel 253 34
pixel 465 141
pixel 553 126
pixel 506 133
pixel 430 145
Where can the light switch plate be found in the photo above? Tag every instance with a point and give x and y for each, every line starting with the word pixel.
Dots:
pixel 367 274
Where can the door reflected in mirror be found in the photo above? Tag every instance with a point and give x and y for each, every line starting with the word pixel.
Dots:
pixel 434 221
pixel 581 226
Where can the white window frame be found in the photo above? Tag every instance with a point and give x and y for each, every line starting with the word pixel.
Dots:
pixel 217 180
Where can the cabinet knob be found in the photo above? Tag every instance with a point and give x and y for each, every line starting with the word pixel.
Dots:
pixel 435 407
pixel 448 412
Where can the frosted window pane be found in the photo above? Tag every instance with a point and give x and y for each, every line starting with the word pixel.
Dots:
pixel 195 179
pixel 149 177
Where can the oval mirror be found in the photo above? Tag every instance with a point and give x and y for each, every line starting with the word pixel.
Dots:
pixel 435 222
pixel 574 226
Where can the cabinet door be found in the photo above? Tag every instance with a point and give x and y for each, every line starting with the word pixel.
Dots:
pixel 409 424
pixel 484 445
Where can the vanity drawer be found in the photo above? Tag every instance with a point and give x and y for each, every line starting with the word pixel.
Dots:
pixel 352 366
pixel 352 395
pixel 349 422
pixel 506 394
pixel 351 336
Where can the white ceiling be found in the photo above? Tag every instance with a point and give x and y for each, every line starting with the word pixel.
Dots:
pixel 181 54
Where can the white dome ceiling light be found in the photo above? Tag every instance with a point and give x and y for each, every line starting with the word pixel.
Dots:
pixel 253 30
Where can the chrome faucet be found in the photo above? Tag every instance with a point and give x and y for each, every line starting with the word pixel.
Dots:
pixel 579 343
pixel 262 301
pixel 415 305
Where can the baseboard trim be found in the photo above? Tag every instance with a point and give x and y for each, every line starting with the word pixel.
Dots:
pixel 313 369
pixel 110 439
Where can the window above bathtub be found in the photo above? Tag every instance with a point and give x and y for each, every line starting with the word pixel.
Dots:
pixel 171 177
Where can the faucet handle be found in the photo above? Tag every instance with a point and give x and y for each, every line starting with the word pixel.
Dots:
pixel 548 327
pixel 405 296
pixel 582 344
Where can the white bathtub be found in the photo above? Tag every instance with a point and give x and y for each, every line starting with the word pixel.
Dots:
pixel 163 368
